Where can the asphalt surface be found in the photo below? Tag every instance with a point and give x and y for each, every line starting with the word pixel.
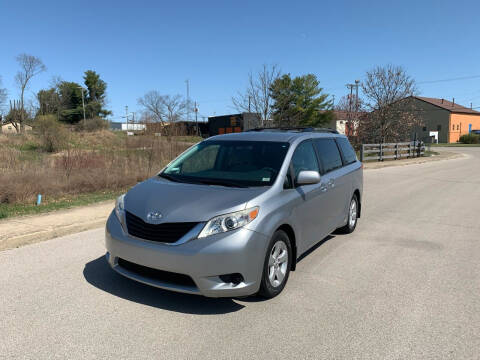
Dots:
pixel 405 285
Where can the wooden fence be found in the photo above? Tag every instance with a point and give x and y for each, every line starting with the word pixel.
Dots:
pixel 396 151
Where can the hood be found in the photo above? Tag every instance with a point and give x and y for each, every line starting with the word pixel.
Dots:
pixel 181 202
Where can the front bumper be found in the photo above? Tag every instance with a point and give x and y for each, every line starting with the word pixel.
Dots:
pixel 204 260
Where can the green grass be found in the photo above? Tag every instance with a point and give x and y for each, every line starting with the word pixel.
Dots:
pixel 29 146
pixel 12 210
pixel 454 145
pixel 431 153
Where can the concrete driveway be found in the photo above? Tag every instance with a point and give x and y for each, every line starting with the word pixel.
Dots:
pixel 405 285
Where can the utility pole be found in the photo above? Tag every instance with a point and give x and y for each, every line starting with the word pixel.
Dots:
pixel 357 82
pixel 249 103
pixel 83 104
pixel 333 102
pixel 188 99
pixel 350 126
pixel 126 116
pixel 196 118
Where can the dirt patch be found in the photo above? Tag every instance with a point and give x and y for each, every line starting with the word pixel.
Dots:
pixel 25 230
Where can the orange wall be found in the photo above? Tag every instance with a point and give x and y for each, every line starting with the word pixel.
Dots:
pixel 459 125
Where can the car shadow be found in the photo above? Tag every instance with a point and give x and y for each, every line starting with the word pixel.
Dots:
pixel 315 247
pixel 253 299
pixel 99 274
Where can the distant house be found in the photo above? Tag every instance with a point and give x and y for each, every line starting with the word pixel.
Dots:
pixel 444 121
pixel 340 122
pixel 120 126
pixel 9 128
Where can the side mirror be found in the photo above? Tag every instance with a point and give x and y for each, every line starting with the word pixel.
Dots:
pixel 307 177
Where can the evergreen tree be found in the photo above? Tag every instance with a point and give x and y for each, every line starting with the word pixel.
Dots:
pixel 300 102
pixel 96 93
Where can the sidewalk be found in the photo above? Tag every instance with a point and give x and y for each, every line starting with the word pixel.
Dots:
pixel 443 155
pixel 24 230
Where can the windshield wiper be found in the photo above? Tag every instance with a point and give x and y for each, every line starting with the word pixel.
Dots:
pixel 170 177
pixel 221 182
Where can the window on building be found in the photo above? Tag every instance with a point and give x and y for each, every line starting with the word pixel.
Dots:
pixel 439 127
pixel 453 127
pixel 424 128
pixel 458 127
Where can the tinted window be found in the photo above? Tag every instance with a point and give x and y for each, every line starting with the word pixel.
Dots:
pixel 235 163
pixel 304 158
pixel 329 154
pixel 348 153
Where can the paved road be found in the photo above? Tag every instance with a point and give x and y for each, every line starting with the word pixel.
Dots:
pixel 405 285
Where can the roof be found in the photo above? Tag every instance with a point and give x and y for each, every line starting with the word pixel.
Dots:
pixel 343 115
pixel 283 136
pixel 447 105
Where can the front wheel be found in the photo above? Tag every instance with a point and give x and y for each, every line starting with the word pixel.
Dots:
pixel 276 268
pixel 352 216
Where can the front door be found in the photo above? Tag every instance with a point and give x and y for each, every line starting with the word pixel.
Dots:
pixel 311 211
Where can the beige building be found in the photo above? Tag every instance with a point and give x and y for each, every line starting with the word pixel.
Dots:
pixel 9 128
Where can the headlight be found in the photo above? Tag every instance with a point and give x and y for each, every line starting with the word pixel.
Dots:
pixel 120 208
pixel 228 222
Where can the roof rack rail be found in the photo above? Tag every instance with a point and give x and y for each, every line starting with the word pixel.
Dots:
pixel 297 129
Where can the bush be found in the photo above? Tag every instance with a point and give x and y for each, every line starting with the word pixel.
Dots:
pixel 52 134
pixel 90 125
pixel 470 139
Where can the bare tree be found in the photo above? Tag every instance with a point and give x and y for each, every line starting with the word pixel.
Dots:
pixel 257 97
pixel 163 108
pixel 3 100
pixel 392 117
pixel 152 103
pixel 30 66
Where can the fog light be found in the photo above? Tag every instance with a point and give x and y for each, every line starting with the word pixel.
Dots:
pixel 234 279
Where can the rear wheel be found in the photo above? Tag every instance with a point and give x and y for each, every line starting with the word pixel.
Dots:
pixel 276 268
pixel 352 216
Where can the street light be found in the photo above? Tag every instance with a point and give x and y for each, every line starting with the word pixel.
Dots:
pixel 83 104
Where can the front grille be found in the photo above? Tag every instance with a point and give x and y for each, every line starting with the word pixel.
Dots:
pixel 160 275
pixel 166 233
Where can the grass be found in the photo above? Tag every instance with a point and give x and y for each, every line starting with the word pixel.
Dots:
pixel 431 153
pixel 11 210
pixel 454 145
pixel 189 139
pixel 95 166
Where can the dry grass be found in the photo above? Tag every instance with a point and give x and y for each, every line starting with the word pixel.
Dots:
pixel 92 162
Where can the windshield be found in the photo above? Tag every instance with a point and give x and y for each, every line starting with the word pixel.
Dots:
pixel 229 163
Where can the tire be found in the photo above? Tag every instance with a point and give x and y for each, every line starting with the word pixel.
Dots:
pixel 351 224
pixel 275 271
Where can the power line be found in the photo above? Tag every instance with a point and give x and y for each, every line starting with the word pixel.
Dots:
pixel 451 79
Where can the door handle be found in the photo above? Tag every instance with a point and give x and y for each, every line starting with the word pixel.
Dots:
pixel 331 183
pixel 323 187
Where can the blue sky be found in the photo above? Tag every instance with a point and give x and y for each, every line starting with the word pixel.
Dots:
pixel 137 46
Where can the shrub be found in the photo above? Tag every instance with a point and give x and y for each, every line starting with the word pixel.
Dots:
pixel 52 134
pixel 470 139
pixel 90 125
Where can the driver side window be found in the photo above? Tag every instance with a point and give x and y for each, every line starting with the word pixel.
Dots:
pixel 303 158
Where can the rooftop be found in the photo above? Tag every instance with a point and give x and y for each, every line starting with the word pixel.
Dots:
pixel 447 105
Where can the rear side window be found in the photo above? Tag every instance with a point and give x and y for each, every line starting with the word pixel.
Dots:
pixel 348 153
pixel 329 154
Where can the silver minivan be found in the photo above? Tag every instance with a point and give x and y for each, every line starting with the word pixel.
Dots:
pixel 233 213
